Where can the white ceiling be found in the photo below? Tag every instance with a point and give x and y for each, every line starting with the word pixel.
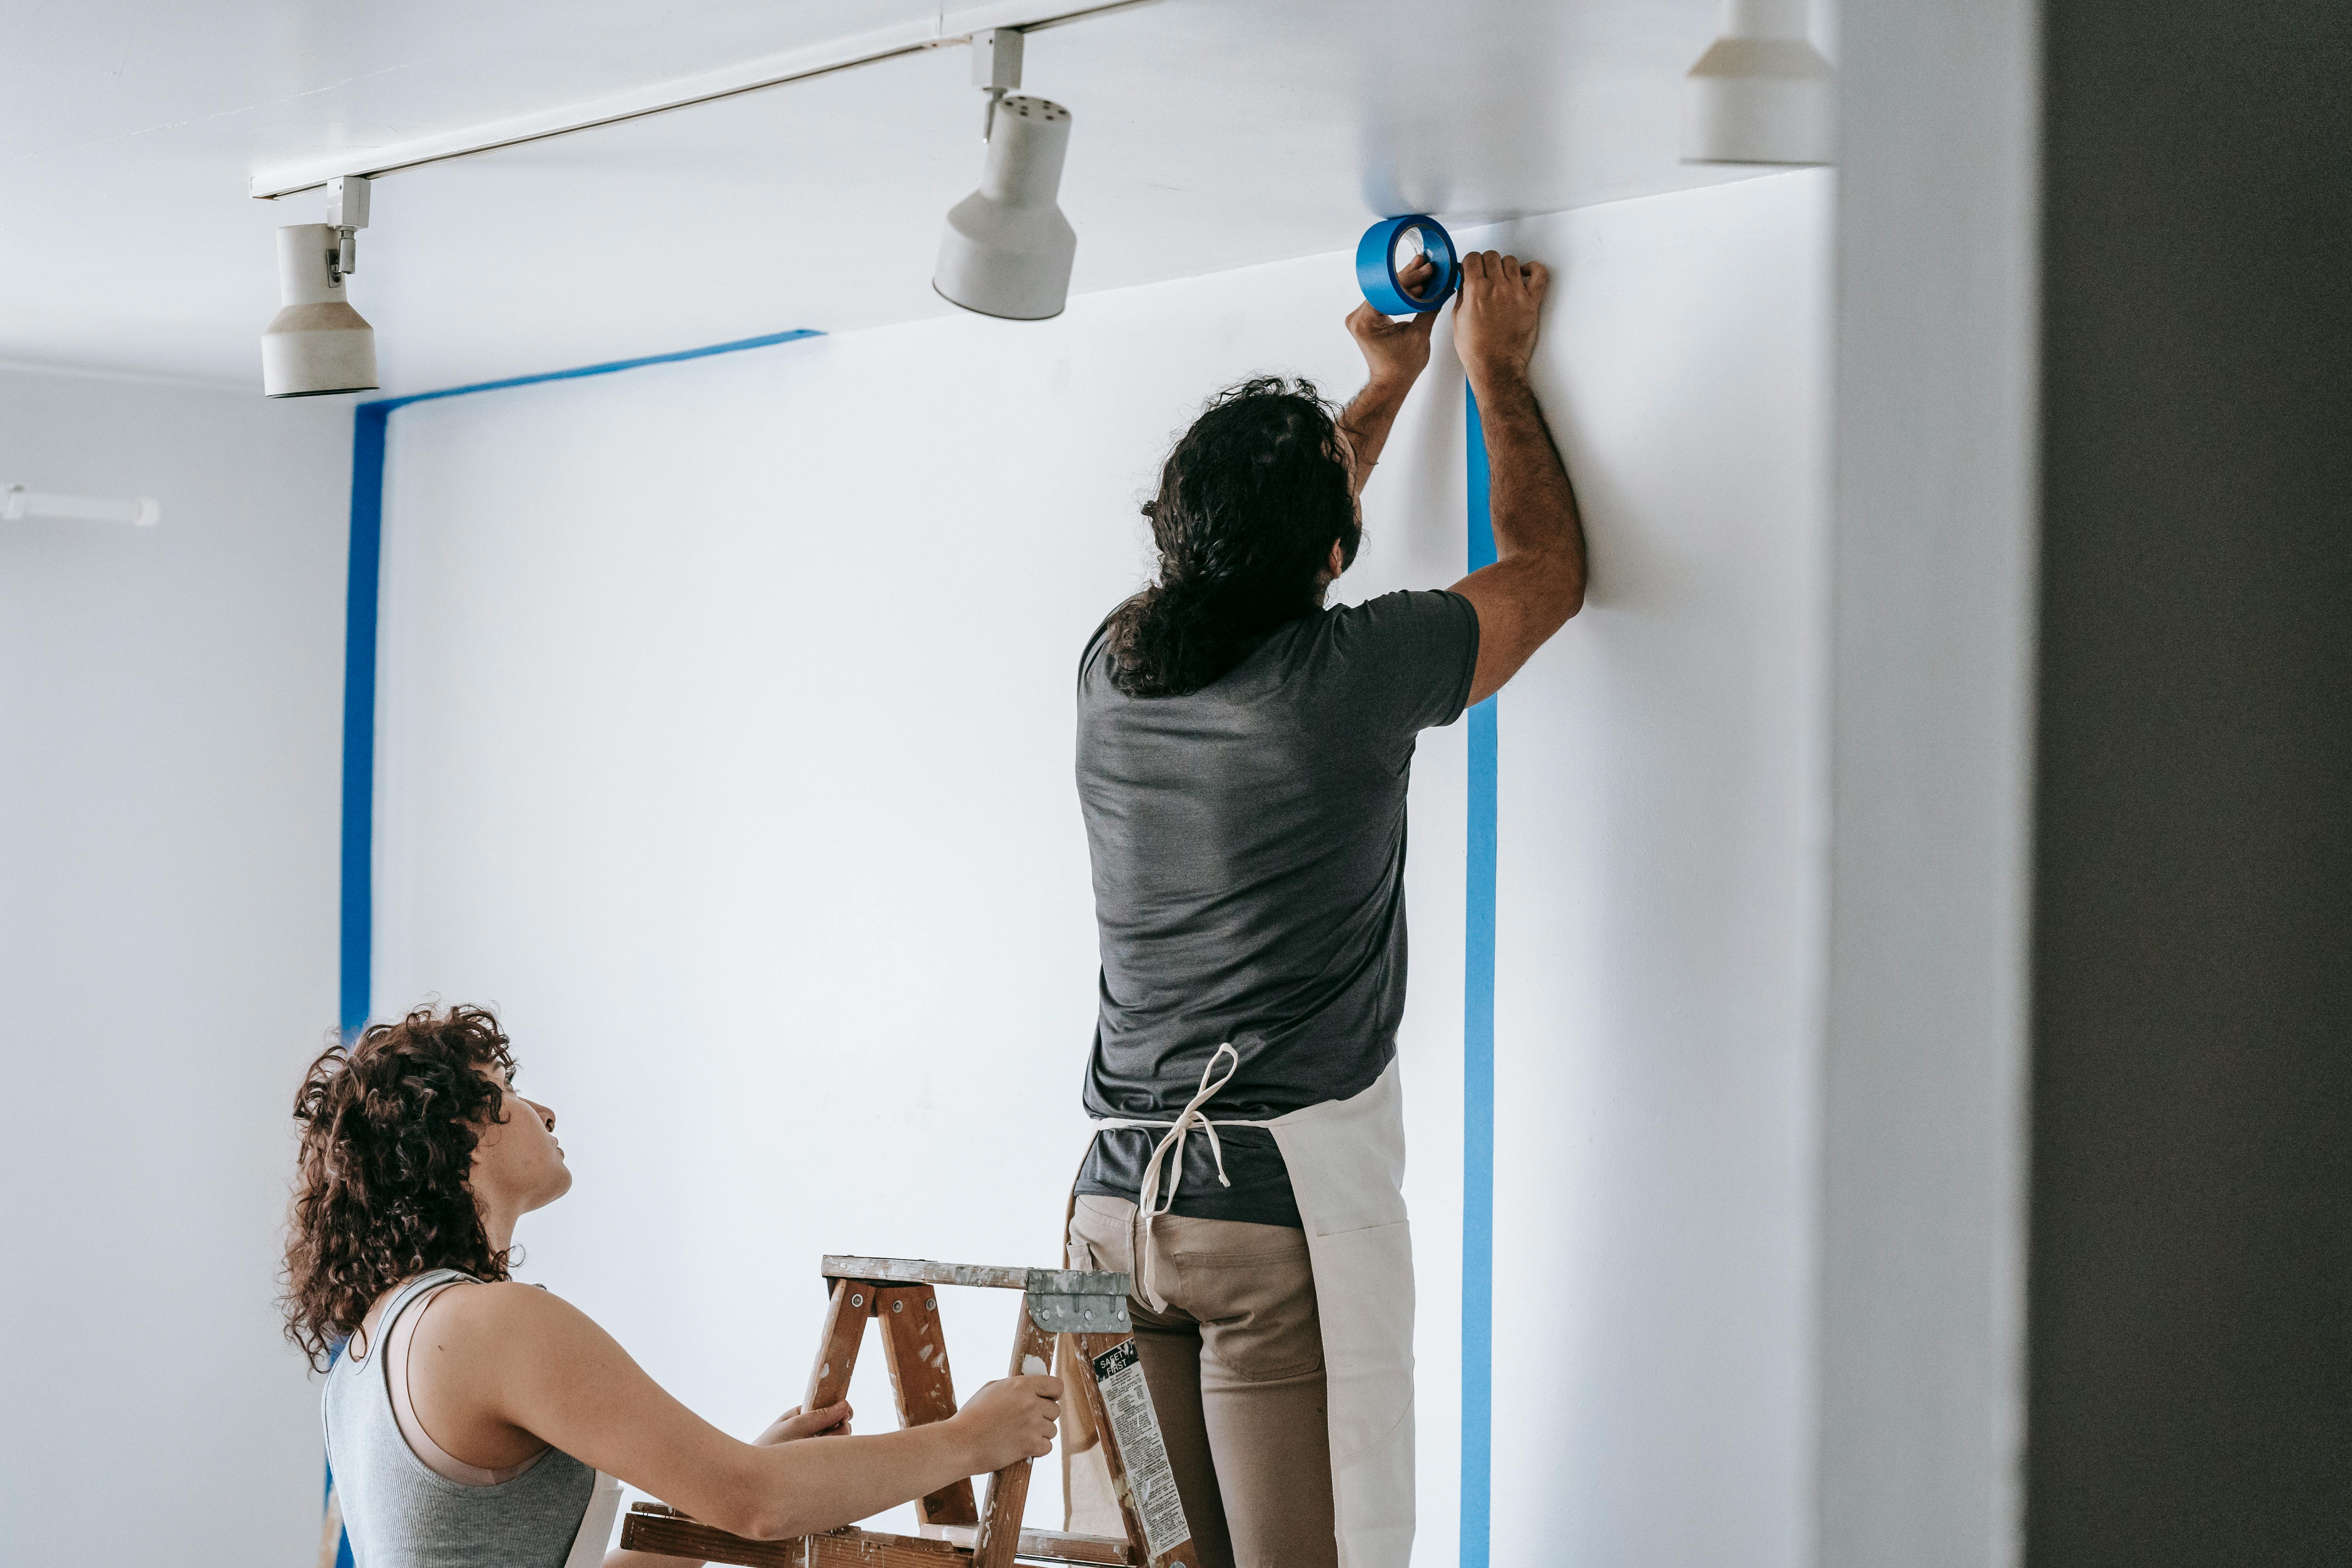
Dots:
pixel 1209 134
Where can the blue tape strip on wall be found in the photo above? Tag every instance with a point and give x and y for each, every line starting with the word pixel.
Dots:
pixel 1376 265
pixel 1478 1065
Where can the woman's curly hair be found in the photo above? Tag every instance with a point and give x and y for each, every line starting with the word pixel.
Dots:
pixel 389 1125
pixel 1251 501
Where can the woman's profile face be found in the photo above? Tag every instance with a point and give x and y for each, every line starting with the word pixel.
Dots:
pixel 518 1163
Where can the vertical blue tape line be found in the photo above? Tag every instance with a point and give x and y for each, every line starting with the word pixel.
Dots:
pixel 368 426
pixel 343 1540
pixel 344 1537
pixel 1478 1073
pixel 370 422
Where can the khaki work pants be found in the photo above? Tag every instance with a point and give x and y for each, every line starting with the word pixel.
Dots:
pixel 1235 1368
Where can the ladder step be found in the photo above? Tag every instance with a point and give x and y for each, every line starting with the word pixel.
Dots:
pixel 1050 1545
pixel 650 1527
pixel 924 1271
pixel 854 1547
pixel 927 1271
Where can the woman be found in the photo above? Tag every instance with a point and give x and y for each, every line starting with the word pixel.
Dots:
pixel 470 1420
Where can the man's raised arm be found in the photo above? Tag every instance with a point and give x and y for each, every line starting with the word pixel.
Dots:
pixel 1537 582
pixel 1394 353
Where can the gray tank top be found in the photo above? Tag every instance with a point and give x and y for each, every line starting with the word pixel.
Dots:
pixel 399 1514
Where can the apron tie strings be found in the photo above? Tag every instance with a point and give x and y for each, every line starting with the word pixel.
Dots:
pixel 1187 1120
pixel 1151 1203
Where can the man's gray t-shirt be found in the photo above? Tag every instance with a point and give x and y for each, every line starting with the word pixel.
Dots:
pixel 1248 843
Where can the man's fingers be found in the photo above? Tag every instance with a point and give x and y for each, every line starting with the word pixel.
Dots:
pixel 1488 269
pixel 1495 267
pixel 1367 323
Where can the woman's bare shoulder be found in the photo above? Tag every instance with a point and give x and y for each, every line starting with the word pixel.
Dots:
pixel 498 1306
pixel 525 1327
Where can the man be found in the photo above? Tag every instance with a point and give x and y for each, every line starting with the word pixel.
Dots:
pixel 1242 758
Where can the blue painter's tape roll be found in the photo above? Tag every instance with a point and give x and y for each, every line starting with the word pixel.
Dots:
pixel 1376 265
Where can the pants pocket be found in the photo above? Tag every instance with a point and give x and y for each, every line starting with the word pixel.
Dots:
pixel 1258 1317
pixel 1099 1238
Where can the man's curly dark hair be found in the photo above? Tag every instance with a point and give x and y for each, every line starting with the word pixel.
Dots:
pixel 389 1125
pixel 1250 502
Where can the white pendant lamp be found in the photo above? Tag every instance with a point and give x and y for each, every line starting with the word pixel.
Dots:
pixel 316 343
pixel 1007 249
pixel 1762 93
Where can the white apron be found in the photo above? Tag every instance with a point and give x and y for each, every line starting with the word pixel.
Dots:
pixel 1345 1158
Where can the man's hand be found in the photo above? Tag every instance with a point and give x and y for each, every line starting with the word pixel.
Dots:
pixel 1395 352
pixel 1012 1418
pixel 1537 579
pixel 831 1421
pixel 1496 316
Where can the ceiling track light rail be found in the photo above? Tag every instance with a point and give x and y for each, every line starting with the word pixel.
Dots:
pixel 1007 251
pixel 959 26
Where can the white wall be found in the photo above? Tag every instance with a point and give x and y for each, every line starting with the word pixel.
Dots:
pixel 169 721
pixel 727 746
pixel 726 743
pixel 1659 902
pixel 1924 1134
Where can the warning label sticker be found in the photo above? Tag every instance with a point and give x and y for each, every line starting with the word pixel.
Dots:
pixel 1135 1427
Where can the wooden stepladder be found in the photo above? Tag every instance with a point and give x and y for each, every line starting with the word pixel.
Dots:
pixel 1103 1370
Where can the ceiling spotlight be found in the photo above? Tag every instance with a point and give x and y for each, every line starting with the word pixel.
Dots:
pixel 1007 249
pixel 1762 93
pixel 316 343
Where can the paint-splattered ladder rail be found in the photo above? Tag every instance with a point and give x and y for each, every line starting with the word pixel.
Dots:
pixel 1082 1314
